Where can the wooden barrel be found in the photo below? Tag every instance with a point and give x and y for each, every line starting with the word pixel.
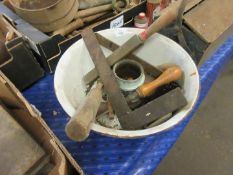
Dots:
pixel 46 15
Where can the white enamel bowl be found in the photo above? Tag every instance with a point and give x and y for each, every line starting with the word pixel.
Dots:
pixel 158 50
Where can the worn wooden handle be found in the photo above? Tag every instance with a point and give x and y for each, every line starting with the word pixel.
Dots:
pixel 93 11
pixel 79 126
pixel 170 74
pixel 167 16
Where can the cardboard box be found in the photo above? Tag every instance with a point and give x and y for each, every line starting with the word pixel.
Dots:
pixel 50 49
pixel 31 121
pixel 18 64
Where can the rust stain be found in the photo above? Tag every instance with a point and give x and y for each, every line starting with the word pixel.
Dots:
pixel 192 74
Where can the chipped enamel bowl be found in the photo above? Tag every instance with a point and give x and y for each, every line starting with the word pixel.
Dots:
pixel 158 50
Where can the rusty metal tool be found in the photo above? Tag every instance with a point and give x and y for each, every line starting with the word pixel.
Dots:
pixel 105 42
pixel 172 73
pixel 155 109
pixel 169 15
pixel 111 87
pixel 79 126
pixel 77 23
pixel 93 11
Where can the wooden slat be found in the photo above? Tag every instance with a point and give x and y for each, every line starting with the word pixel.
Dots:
pixel 19 151
pixel 191 4
pixel 210 18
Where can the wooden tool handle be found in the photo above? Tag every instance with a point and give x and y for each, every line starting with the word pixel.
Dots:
pixel 93 11
pixel 171 74
pixel 79 126
pixel 77 23
pixel 167 16
pixel 69 27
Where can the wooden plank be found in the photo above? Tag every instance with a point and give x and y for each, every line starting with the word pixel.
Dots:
pixel 191 4
pixel 19 151
pixel 210 19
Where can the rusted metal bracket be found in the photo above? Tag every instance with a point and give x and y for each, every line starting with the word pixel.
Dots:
pixel 150 69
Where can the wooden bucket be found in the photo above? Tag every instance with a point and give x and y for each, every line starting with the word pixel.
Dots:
pixel 46 15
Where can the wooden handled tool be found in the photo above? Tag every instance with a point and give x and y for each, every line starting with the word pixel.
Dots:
pixel 142 116
pixel 93 11
pixel 170 74
pixel 169 15
pixel 79 126
pixel 77 23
